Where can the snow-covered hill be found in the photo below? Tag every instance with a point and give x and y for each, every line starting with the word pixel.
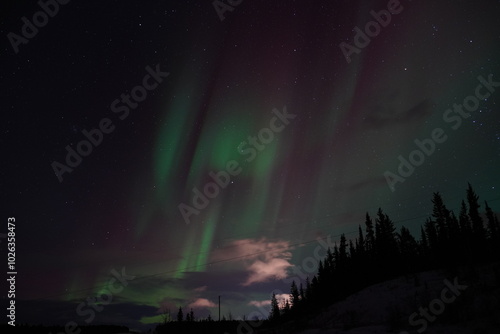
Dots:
pixel 429 302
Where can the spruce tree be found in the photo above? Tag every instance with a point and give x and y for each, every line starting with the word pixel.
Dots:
pixel 342 262
pixel 408 248
pixel 370 235
pixel 493 225
pixel 308 289
pixel 478 229
pixel 286 308
pixel 385 237
pixel 352 250
pixel 432 235
pixel 360 249
pixel 180 315
pixel 424 245
pixel 275 309
pixel 439 213
pixel 294 295
pixel 464 221
pixel 423 249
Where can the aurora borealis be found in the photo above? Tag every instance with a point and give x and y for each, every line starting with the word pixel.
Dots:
pixel 312 176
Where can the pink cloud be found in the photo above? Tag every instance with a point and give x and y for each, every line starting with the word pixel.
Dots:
pixel 261 271
pixel 201 289
pixel 201 302
pixel 263 259
pixel 281 298
pixel 260 303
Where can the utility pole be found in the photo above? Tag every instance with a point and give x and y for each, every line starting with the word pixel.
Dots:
pixel 219 308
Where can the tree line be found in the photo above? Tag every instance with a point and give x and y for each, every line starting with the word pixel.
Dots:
pixel 380 252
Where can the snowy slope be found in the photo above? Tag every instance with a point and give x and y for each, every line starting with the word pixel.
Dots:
pixel 386 307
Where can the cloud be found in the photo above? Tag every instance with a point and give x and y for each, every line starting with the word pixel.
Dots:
pixel 281 298
pixel 368 183
pixel 261 271
pixel 262 259
pixel 201 289
pixel 260 303
pixel 384 114
pixel 201 303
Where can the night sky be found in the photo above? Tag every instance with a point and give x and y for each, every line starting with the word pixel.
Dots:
pixel 304 141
